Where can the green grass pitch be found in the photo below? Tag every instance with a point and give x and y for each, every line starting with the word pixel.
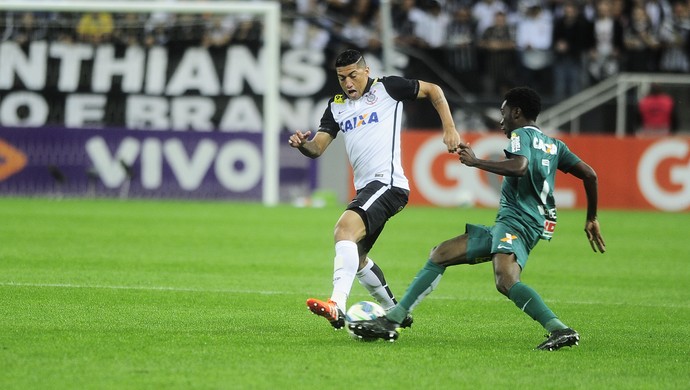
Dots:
pixel 106 294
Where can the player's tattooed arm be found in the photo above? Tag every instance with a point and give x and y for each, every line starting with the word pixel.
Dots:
pixel 451 137
pixel 311 148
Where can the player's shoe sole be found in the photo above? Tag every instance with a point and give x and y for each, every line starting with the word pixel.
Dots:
pixel 379 328
pixel 559 339
pixel 328 310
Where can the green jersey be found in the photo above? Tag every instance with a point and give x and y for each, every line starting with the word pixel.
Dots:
pixel 527 202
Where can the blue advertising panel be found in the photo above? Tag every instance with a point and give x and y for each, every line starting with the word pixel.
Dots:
pixel 133 163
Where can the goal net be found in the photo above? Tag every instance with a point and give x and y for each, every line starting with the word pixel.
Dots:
pixel 152 98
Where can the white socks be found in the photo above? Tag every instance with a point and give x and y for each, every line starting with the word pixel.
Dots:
pixel 374 282
pixel 345 267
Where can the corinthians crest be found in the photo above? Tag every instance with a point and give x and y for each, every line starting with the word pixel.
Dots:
pixel 370 97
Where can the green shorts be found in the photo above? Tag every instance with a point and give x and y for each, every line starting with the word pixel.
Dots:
pixel 484 241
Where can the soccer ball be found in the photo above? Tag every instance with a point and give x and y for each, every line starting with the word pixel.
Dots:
pixel 362 311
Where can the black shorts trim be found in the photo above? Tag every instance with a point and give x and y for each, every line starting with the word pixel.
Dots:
pixel 376 203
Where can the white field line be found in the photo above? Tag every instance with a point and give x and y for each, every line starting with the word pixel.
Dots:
pixel 497 298
pixel 144 288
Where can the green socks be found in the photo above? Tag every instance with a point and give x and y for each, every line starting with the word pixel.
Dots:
pixel 524 297
pixel 423 284
pixel 527 300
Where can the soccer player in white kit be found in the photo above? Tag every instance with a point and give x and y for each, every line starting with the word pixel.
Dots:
pixel 369 115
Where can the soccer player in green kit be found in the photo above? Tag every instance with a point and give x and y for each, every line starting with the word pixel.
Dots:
pixel 526 214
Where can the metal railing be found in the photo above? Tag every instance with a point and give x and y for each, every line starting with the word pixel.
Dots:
pixel 616 87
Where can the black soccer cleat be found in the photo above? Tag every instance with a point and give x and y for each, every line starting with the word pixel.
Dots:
pixel 559 339
pixel 407 322
pixel 379 328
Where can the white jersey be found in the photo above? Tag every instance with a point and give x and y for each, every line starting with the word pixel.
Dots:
pixel 371 126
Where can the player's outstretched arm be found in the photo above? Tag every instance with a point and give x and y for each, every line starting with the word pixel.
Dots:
pixel 311 148
pixel 451 137
pixel 513 165
pixel 589 179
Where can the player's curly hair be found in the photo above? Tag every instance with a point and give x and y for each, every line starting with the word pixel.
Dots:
pixel 349 57
pixel 526 99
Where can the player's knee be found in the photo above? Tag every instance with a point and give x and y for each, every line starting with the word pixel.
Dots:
pixel 502 288
pixel 362 261
pixel 349 231
pixel 441 255
pixel 503 283
pixel 436 255
pixel 432 252
pixel 451 252
pixel 342 233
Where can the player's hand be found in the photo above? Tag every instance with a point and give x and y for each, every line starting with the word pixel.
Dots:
pixel 594 236
pixel 466 154
pixel 452 140
pixel 298 139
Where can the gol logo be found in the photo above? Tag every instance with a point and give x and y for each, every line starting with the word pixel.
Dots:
pixel 11 160
pixel 664 175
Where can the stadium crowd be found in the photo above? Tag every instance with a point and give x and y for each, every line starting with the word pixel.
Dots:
pixel 557 46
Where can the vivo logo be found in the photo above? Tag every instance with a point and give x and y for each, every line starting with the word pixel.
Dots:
pixel 236 164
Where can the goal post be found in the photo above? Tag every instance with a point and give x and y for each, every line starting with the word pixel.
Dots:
pixel 269 12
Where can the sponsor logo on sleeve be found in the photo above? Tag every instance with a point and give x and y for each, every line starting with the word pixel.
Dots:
pixel 514 142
